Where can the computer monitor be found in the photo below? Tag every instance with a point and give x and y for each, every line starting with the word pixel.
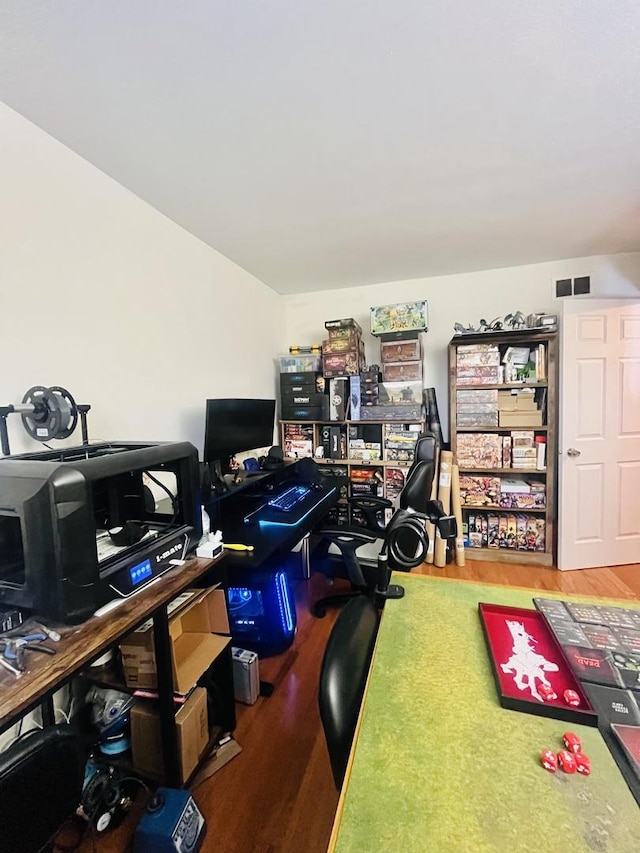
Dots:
pixel 236 425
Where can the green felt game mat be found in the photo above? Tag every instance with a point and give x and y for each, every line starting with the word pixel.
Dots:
pixel 441 766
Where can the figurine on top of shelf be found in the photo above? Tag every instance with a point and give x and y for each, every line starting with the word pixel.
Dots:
pixel 459 329
pixel 516 322
pixel 493 326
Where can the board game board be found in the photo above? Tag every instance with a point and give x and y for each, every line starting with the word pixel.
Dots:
pixel 529 668
pixel 601 645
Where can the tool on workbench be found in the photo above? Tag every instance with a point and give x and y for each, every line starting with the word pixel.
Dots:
pixel 13 648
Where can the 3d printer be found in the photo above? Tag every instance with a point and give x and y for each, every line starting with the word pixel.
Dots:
pixel 81 526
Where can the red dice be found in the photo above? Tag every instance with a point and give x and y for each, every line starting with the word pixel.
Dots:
pixel 547 693
pixel 571 742
pixel 571 698
pixel 548 760
pixel 583 764
pixel 567 761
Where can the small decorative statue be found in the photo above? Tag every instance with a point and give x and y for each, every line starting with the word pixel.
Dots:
pixel 516 321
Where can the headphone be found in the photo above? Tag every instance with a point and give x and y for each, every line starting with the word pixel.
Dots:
pixel 104 799
pixel 274 459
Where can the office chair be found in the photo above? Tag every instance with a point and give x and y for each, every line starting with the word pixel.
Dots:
pixel 367 555
pixel 343 676
pixel 41 779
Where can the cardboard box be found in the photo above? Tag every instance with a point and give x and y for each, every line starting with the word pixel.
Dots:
pixel 344 364
pixel 355 391
pixel 479 450
pixel 345 326
pixel 402 319
pixel 246 676
pixel 337 345
pixel 393 351
pixel 192 729
pixel 486 358
pixel 198 629
pixel 402 371
pixel 521 419
pixel 338 399
pixel 300 363
pixel 517 401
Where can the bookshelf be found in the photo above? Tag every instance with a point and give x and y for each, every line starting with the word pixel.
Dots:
pixel 370 458
pixel 503 426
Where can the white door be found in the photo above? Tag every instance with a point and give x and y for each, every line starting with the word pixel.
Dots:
pixel 599 441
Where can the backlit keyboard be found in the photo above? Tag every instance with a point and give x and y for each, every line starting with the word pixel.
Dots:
pixel 288 499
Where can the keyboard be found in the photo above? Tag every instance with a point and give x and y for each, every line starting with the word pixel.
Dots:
pixel 288 500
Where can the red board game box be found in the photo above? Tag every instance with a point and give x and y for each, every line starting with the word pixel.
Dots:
pixel 529 668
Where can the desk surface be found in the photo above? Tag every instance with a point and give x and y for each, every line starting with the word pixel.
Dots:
pixel 269 540
pixel 439 765
pixel 82 643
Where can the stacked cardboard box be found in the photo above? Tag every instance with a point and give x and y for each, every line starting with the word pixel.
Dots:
pixel 477 408
pixel 478 364
pixel 298 440
pixel 400 441
pixel 517 408
pixel 366 481
pixel 343 350
pixel 479 491
pixel 519 494
pixel 523 450
pixel 396 401
pixel 401 361
pixel 479 450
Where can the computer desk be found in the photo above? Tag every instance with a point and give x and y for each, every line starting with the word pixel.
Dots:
pixel 271 542
pixel 437 763
pixel 81 644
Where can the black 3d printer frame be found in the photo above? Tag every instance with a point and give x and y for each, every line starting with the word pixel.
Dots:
pixel 52 494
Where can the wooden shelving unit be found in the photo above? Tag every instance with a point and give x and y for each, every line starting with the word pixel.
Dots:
pixel 374 432
pixel 545 391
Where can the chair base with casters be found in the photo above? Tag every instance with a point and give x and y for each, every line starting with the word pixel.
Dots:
pixel 356 550
pixel 343 676
pixel 369 560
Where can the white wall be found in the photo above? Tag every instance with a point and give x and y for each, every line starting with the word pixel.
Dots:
pixel 465 298
pixel 107 297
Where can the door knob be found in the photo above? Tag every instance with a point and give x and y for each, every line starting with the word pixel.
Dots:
pixel 573 452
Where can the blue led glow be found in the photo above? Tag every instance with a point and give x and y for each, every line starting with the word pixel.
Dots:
pixel 299 520
pixel 284 603
pixel 141 572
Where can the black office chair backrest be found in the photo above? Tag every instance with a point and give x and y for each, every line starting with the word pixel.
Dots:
pixel 343 677
pixel 41 778
pixel 416 491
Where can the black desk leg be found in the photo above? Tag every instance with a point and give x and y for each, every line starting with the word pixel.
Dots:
pixel 48 711
pixel 172 771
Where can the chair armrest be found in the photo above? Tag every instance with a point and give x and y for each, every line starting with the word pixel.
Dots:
pixel 348 540
pixel 366 500
pixel 348 532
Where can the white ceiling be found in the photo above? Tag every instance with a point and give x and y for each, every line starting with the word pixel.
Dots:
pixel 333 143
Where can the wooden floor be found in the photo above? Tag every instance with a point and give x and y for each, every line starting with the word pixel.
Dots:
pixel 277 795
